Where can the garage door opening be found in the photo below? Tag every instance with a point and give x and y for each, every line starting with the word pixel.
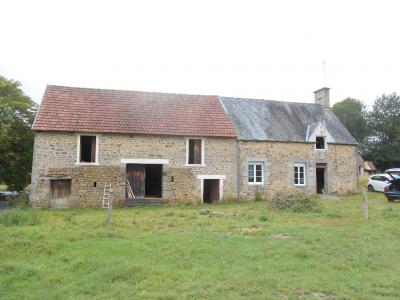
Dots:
pixel 321 178
pixel 210 190
pixel 144 180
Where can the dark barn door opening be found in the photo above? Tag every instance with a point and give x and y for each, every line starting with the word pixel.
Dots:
pixel 153 181
pixel 210 190
pixel 145 180
pixel 320 175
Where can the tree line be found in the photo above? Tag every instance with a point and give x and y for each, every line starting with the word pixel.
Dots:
pixel 17 113
pixel 377 130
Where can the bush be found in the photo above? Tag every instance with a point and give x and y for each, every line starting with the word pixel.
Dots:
pixel 21 201
pixel 18 217
pixel 295 201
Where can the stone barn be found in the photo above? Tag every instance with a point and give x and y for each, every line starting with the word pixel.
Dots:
pixel 158 147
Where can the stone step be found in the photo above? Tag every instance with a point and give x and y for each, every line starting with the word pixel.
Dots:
pixel 145 202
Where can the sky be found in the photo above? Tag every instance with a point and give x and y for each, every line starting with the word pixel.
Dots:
pixel 256 49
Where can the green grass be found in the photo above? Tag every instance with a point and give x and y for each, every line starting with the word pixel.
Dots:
pixel 178 253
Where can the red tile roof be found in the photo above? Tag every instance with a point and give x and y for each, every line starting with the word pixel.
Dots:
pixel 369 165
pixel 100 110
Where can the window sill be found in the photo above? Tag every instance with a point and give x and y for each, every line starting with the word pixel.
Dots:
pixel 300 185
pixel 195 165
pixel 86 164
pixel 255 183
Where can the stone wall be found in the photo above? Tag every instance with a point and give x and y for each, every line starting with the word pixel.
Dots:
pixel 87 184
pixel 55 157
pixel 279 159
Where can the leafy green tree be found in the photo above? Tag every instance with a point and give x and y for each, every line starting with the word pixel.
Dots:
pixel 383 146
pixel 353 114
pixel 17 113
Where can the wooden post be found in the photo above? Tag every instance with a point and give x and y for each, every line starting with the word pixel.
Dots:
pixel 110 204
pixel 365 201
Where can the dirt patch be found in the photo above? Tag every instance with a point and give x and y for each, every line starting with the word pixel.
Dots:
pixel 251 229
pixel 216 213
pixel 280 236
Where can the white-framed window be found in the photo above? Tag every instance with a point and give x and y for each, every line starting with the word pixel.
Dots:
pixel 320 143
pixel 255 173
pixel 88 149
pixel 299 174
pixel 194 152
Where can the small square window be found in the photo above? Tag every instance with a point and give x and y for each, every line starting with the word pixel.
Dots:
pixel 320 143
pixel 255 173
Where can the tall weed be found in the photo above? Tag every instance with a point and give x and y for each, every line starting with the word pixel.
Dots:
pixel 294 201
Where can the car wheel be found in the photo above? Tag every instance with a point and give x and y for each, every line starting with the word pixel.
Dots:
pixel 371 188
pixel 390 199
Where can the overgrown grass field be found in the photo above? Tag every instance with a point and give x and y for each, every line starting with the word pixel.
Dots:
pixel 249 252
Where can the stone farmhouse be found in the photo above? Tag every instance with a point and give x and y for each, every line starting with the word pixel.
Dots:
pixel 184 148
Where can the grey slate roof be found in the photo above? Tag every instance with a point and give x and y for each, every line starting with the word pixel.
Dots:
pixel 268 120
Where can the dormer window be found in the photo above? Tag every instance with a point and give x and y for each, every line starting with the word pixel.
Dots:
pixel 320 143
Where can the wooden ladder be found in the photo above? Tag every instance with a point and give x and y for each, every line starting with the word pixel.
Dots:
pixel 107 195
pixel 129 190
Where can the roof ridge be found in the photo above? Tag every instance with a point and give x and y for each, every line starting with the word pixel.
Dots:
pixel 123 90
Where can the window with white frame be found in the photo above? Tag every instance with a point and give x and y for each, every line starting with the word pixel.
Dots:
pixel 87 149
pixel 194 151
pixel 300 174
pixel 255 173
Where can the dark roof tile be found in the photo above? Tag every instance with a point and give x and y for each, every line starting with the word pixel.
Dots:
pixel 268 120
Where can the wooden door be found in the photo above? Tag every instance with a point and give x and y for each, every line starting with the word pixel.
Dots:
pixel 135 174
pixel 60 188
pixel 210 190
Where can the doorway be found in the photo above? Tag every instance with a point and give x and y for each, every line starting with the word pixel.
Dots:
pixel 210 190
pixel 153 181
pixel 321 178
pixel 145 180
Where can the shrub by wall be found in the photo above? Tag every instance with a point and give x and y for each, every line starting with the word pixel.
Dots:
pixel 295 201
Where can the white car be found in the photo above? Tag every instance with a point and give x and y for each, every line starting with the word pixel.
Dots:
pixel 377 182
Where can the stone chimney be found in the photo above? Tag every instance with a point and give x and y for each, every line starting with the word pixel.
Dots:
pixel 322 97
